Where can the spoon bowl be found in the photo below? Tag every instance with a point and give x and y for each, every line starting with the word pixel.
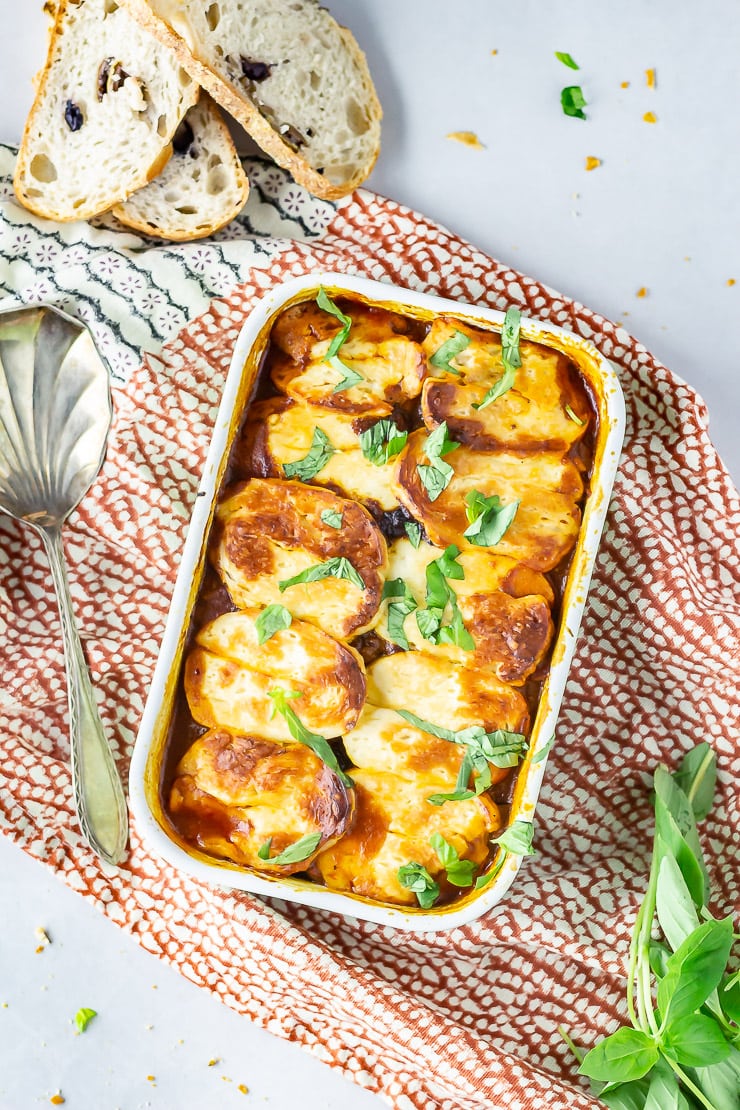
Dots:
pixel 55 413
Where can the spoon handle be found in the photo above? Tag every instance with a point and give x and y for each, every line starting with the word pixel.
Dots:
pixel 99 799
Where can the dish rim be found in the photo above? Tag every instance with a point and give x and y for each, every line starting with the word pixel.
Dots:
pixel 530 775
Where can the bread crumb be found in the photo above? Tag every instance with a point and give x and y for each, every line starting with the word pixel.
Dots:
pixel 58 1099
pixel 42 937
pixel 213 1061
pixel 226 1079
pixel 687 258
pixel 151 1078
pixel 5 1005
pixel 625 85
pixel 467 138
pixel 641 292
pixel 650 117
pixel 494 52
pixel 243 1089
pixel 730 281
pixel 592 163
pixel 650 78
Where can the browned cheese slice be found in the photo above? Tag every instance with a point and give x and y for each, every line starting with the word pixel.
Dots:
pixel 512 630
pixel 229 676
pixel 281 431
pixel 233 792
pixel 393 825
pixel 547 485
pixel 531 416
pixel 445 693
pixel 266 532
pixel 379 347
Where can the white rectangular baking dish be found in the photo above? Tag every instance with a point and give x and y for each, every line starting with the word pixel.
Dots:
pixel 150 744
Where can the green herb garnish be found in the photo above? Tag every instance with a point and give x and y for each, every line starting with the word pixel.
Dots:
pixel 271 620
pixel 450 349
pixel 437 475
pixel 572 416
pixel 573 101
pixel 332 518
pixel 489 518
pixel 439 594
pixel 349 377
pixel 294 853
pixel 566 59
pixel 514 841
pixel 459 871
pixel 318 744
pixel 684 1051
pixel 413 531
pixel 310 465
pixel 414 877
pixel 83 1017
pixel 510 357
pixel 544 752
pixel 398 610
pixel 337 567
pixel 382 442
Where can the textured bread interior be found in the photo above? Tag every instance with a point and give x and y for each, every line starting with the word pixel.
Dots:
pixel 301 70
pixel 199 190
pixel 109 101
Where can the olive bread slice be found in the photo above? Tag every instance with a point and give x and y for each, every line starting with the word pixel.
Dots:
pixel 108 103
pixel 201 188
pixel 291 76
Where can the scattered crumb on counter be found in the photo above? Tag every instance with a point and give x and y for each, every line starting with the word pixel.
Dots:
pixel 155 987
pixel 592 163
pixel 494 52
pixel 730 281
pixel 687 258
pixel 43 940
pixel 148 1026
pixel 243 1089
pixel 650 78
pixel 650 117
pixel 5 1005
pixel 625 85
pixel 57 1099
pixel 467 138
pixel 151 1078
pixel 213 1061
pixel 227 1079
pixel 642 292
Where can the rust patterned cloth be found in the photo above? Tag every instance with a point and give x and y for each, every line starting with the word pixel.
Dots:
pixel 436 1022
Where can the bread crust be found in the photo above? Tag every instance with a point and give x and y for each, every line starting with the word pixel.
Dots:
pixel 42 205
pixel 249 116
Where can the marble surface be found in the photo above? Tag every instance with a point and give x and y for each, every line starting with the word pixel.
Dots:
pixel 661 213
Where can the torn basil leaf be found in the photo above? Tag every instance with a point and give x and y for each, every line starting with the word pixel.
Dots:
pixel 398 610
pixel 326 304
pixel 566 59
pixel 332 518
pixel 83 1017
pixel 294 853
pixel 573 102
pixel 442 357
pixel 437 475
pixel 271 620
pixel 263 851
pixel 310 465
pixel 349 377
pixel 510 357
pixel 318 744
pixel 459 871
pixel 382 442
pixel 337 567
pixel 517 839
pixel 415 877
pixel 489 517
pixel 544 752
pixel 413 531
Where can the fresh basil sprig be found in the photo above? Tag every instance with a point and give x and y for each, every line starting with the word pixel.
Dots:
pixel 294 853
pixel 459 871
pixel 413 876
pixel 455 345
pixel 398 610
pixel 350 377
pixel 437 475
pixel 336 567
pixel 271 620
pixel 510 357
pixel 489 518
pixel 318 744
pixel 382 442
pixel 682 1048
pixel 313 463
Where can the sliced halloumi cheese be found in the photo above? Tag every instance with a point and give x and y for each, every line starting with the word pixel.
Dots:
pixel 378 347
pixel 511 631
pixel 393 825
pixel 445 693
pixel 547 485
pixel 229 676
pixel 531 416
pixel 267 532
pixel 233 792
pixel 281 431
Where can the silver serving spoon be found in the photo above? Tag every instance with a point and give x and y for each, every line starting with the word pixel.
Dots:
pixel 55 412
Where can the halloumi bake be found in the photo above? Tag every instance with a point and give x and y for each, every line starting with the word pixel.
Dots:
pixel 385 567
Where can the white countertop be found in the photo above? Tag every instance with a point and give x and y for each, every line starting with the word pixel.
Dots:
pixel 661 213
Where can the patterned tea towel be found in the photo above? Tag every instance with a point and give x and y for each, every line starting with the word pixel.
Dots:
pixel 466 1019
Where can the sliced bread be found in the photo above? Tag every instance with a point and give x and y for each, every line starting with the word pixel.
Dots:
pixel 109 100
pixel 201 188
pixel 292 77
